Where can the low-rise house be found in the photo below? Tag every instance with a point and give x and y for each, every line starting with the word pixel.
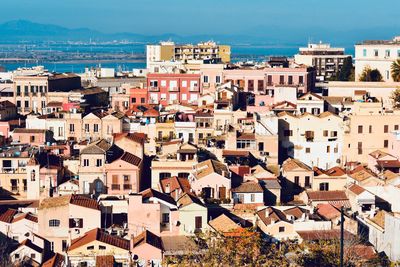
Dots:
pixel 311 103
pixel 34 137
pixel 192 215
pixel 211 179
pixel 147 249
pixel 175 186
pixel 18 225
pixel 27 253
pixel 124 174
pixel 334 178
pixel 297 175
pixel 360 199
pixel 67 217
pixel 337 198
pixel 154 211
pixel 379 161
pixel 94 243
pixel 364 177
pixel 248 193
pixel 225 226
pixel 69 187
pixel 56 261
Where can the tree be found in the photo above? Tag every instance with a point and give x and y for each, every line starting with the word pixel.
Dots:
pixel 345 71
pixel 370 75
pixel 396 98
pixel 395 68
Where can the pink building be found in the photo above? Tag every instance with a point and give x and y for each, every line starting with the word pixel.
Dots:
pixel 264 81
pixel 168 88
pixel 34 137
pixel 153 211
pixel 123 174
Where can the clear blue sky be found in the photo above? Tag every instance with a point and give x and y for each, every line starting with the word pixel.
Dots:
pixel 204 16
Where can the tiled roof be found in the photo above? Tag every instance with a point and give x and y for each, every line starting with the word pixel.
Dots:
pixel 175 183
pixel 101 236
pixel 235 153
pixel 78 200
pixel 99 147
pixel 388 163
pixel 149 193
pixel 248 187
pixel 361 173
pixel 291 164
pixel 246 136
pixel 136 137
pixel 29 244
pixel 326 195
pixel 224 224
pixel 147 237
pixel 210 166
pixel 130 158
pixel 356 189
pixel 323 235
pixel 270 214
pixel 379 218
pixel 187 199
pixel 8 215
pixel 271 183
pixel 334 171
pixel 57 260
pixel 377 154
pixel 296 212
pixel 29 131
pixel 151 113
pixel 328 211
pixel 304 97
pixel 28 216
pixel 105 261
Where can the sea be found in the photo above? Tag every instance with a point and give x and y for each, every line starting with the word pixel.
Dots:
pixel 242 52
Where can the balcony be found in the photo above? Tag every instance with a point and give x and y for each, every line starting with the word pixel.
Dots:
pixel 154 89
pixel 193 88
pixel 127 186
pixel 14 188
pixel 115 187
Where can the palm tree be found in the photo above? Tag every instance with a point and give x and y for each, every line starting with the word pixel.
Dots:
pixel 396 70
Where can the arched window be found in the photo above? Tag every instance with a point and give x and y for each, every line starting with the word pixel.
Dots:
pixel 33 175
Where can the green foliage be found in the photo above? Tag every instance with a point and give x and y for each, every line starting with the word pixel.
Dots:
pixel 395 68
pixel 345 71
pixel 370 75
pixel 396 98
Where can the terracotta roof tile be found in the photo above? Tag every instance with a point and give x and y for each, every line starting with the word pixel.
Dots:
pixel 326 195
pixel 132 159
pixel 83 201
pixel 248 187
pixel 210 166
pixel 57 260
pixel 149 193
pixel 224 224
pixel 147 237
pixel 323 235
pixel 356 189
pixel 105 261
pixel 291 164
pixel 187 199
pixel 8 215
pixel 328 211
pixel 101 236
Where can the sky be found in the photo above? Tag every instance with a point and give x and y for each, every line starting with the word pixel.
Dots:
pixel 187 17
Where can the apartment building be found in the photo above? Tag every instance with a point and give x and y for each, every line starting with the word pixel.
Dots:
pixel 30 92
pixel 326 60
pixel 317 140
pixel 367 129
pixel 170 88
pixel 377 54
pixel 264 81
pixel 169 51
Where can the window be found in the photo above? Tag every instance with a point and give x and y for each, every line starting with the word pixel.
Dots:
pixel 370 129
pixel 198 222
pixel 386 128
pixel 54 223
pixel 102 247
pixel 85 162
pixel 33 175
pixel 261 146
pixel 364 52
pixel 127 178
pixel 96 128
pixel 360 129
pixel 153 83
pixel 334 134
pixel 269 78
pixel 60 131
pixel 359 146
pixel 72 128
pixel 184 83
pixel 328 149
pixel 297 180
pixel 183 175
pixel 18 104
pixel 290 79
pixel 99 162
pixel 165 218
pixel 64 245
pixel 324 187
pixel 376 52
pixel 75 223
pixel 307 182
pixel 90 247
pixel 252 197
pixel 33 255
pixel 308 150
pixel 164 175
pixel 26 103
pixel 387 53
pixel 396 127
pixel 142 100
pixel 163 83
pixel 205 79
pixel 281 229
pixel 281 79
pixel 32 138
pixel 218 79
pixel 301 79
pixel 52 246
pixel 325 133
pixel 385 143
pixel 16 256
pixel 133 99
pixel 86 127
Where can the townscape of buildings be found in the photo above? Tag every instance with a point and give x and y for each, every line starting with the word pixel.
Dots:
pixel 97 169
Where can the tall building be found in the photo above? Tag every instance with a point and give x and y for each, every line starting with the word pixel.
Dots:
pixel 377 54
pixel 169 51
pixel 326 60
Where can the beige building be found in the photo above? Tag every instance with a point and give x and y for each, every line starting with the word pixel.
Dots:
pixel 367 129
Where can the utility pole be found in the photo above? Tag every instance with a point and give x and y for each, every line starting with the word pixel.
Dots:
pixel 341 235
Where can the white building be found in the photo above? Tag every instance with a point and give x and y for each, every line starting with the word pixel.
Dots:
pixel 326 60
pixel 316 140
pixel 378 54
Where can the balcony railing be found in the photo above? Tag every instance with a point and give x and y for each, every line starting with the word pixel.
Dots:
pixel 127 186
pixel 115 186
pixel 14 188
pixel 194 88
pixel 154 89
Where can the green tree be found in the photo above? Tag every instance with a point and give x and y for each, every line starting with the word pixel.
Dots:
pixel 345 71
pixel 395 68
pixel 396 98
pixel 370 75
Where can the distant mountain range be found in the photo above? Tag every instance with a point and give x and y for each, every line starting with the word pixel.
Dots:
pixel 23 30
